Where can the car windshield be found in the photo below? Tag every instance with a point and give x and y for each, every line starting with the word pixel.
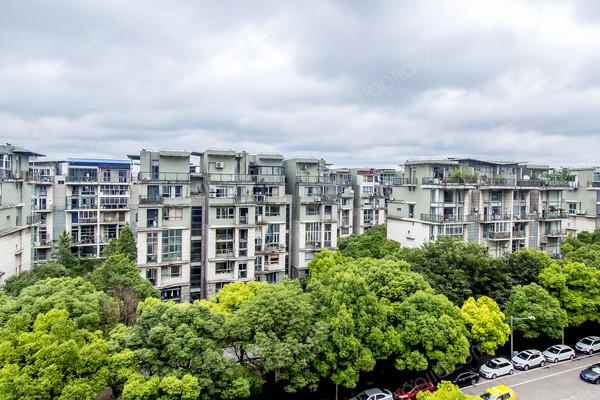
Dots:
pixel 553 350
pixel 492 364
pixel 596 369
pixel 523 354
pixel 363 396
pixel 488 396
pixel 586 341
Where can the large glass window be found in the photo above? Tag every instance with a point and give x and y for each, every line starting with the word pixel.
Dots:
pixel 272 211
pixel 151 247
pixel 171 245
pixel 225 212
pixel 313 209
pixel 196 221
pixel 243 249
pixel 225 267
pixel 6 161
pixel 224 242
pixel 272 238
pixel 172 214
pixel 171 271
pixel 242 271
pixel 313 234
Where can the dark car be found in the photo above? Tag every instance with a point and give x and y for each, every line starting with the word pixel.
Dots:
pixel 410 391
pixel 466 379
pixel 591 374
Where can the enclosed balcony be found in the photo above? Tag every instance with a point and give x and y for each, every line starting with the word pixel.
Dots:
pixel 163 176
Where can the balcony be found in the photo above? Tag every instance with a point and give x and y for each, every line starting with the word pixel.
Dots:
pixel 261 198
pixel 82 179
pixel 244 178
pixel 43 243
pixel 36 177
pixel 556 233
pixel 6 174
pixel 163 176
pixel 531 216
pixel 315 179
pixel 554 215
pixel 84 241
pixel 499 235
pixel 518 234
pixel 150 200
pixel 409 182
pixel 84 221
pixel 312 245
pixel 443 218
pixel 33 219
pixel 324 198
pixel 449 181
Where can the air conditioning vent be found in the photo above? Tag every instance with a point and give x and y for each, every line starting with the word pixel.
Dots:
pixel 219 165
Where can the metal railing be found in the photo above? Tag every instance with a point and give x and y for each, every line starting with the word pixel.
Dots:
pixel 499 235
pixel 556 232
pixel 554 215
pixel 442 218
pixel 164 176
pixel 314 179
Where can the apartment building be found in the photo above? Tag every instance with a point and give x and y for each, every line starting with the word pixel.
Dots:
pixel 97 202
pixel 583 203
pixel 315 203
pixel 369 199
pixel 48 205
pixel 17 217
pixel 164 216
pixel 246 218
pixel 503 205
pixel 342 179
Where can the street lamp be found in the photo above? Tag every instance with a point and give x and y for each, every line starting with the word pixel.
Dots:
pixel 530 318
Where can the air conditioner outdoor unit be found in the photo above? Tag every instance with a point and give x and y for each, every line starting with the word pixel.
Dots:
pixel 580 212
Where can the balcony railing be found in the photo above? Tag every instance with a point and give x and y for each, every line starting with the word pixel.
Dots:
pixel 442 218
pixel 245 178
pixel 499 235
pixel 314 179
pixel 554 215
pixel 556 232
pixel 37 177
pixel 33 219
pixel 152 200
pixel 449 181
pixel 312 245
pixel 518 234
pixel 163 176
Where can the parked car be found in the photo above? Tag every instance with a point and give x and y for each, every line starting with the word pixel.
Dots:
pixel 528 359
pixel 410 391
pixel 559 352
pixel 591 374
pixel 374 394
pixel 496 367
pixel 588 345
pixel 500 392
pixel 466 378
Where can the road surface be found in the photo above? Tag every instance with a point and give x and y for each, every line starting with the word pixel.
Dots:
pixel 553 382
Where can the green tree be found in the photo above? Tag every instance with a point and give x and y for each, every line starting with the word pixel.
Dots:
pixel 85 305
pixel 231 297
pixel 63 255
pixel 124 244
pixel 171 339
pixel 525 265
pixel 53 358
pixel 459 270
pixel 446 391
pixel 119 277
pixel 577 288
pixel 534 300
pixel 275 334
pixel 432 334
pixel 140 387
pixel 373 243
pixel 486 324
pixel 588 254
pixel 16 283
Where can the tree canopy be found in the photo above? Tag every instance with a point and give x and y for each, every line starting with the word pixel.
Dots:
pixel 486 324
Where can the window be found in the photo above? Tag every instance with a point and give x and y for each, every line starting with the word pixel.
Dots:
pixel 171 271
pixel 411 211
pixel 367 189
pixel 6 161
pixel 196 221
pixel 272 259
pixel 224 242
pixel 258 264
pixel 171 245
pixel 272 238
pixel 272 211
pixel 170 294
pixel 258 239
pixel 572 208
pixel 328 211
pixel 123 175
pixel 151 275
pixel 172 214
pixel 313 209
pixel 219 286
pixel 312 234
pixel 243 249
pixel 106 176
pixel 327 235
pixel 152 218
pixel 368 217
pixel 151 247
pixel 196 251
pixel 172 191
pixel 224 191
pixel 225 267
pixel 242 271
pixel 225 212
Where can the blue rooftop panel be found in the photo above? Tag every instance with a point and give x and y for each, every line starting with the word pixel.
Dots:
pixel 93 162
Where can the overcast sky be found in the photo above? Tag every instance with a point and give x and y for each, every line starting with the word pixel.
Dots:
pixel 358 83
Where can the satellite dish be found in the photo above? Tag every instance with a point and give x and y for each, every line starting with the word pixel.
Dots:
pixel 526 177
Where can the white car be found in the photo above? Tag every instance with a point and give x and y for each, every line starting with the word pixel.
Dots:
pixel 588 345
pixel 496 367
pixel 374 394
pixel 528 359
pixel 559 352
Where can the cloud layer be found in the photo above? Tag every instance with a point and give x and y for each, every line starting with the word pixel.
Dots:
pixel 359 83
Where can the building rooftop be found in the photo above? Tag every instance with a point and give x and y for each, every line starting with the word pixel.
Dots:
pixel 96 162
pixel 11 148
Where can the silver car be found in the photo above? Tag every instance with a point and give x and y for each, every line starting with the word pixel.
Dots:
pixel 496 367
pixel 588 345
pixel 529 359
pixel 374 394
pixel 559 352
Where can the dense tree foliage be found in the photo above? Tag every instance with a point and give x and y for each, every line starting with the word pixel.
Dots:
pixel 459 270
pixel 124 244
pixel 486 324
pixel 577 287
pixel 373 243
pixel 232 296
pixel 534 300
pixel 525 265
pixel 446 391
pixel 16 283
